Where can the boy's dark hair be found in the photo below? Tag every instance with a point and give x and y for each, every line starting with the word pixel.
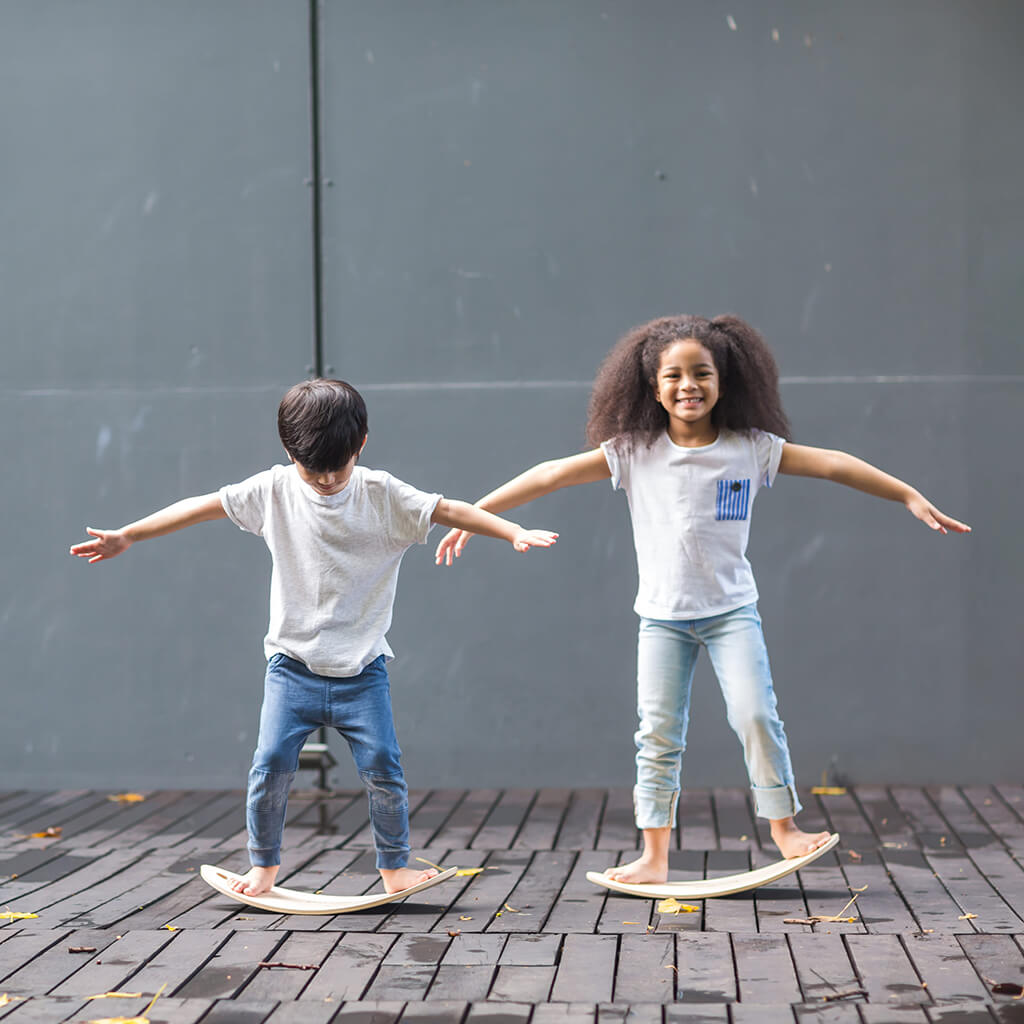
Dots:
pixel 322 424
pixel 622 403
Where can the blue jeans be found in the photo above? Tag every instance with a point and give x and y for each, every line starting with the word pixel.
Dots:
pixel 666 658
pixel 297 701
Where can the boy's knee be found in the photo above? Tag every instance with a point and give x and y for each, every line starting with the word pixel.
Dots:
pixel 388 794
pixel 268 788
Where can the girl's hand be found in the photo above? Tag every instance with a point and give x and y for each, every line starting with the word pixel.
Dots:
pixel 526 539
pixel 107 544
pixel 451 546
pixel 921 507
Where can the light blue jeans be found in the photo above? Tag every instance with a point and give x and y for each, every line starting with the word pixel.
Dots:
pixel 295 702
pixel 666 658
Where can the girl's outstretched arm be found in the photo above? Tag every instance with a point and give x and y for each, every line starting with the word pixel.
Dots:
pixel 541 479
pixel 800 460
pixel 110 543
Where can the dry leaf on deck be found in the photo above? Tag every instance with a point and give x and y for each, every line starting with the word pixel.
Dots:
pixel 967 917
pixel 828 790
pixel 53 832
pixel 116 995
pixel 468 872
pixel 673 906
pixel 126 798
pixel 14 915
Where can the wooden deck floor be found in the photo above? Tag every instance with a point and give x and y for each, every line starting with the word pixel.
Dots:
pixel 937 935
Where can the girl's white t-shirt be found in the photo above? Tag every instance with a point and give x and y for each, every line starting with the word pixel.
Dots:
pixel 690 509
pixel 336 560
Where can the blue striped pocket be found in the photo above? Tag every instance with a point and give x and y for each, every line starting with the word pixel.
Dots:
pixel 733 499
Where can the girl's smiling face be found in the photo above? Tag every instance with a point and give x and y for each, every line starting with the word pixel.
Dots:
pixel 687 388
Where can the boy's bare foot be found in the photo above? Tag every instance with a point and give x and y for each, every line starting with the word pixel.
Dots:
pixel 642 871
pixel 397 879
pixel 256 881
pixel 792 841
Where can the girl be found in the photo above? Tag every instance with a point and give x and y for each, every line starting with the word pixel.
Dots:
pixel 686 418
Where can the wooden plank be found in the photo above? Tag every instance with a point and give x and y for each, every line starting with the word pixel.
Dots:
pixel 238 1011
pixel 349 968
pixel 392 983
pixel 370 1012
pixel 990 806
pixel 827 893
pixel 828 1013
pixel 233 965
pixel 23 948
pixel 435 1012
pixel 178 961
pixel 996 958
pixel 625 913
pixel 474 950
pixel 646 970
pixel 931 830
pixel 945 968
pixel 618 829
pixel 580 825
pixel 1005 874
pixel 521 984
pixel 506 818
pixel 753 1013
pixel 461 982
pixel 972 832
pixel 487 1013
pixel 35 807
pixel 974 894
pixel 586 969
pixel 131 823
pixel 705 968
pixel 459 830
pixel 563 1013
pixel 305 1012
pixel 103 972
pixel 580 903
pixel 431 815
pixel 531 951
pixel 764 969
pixel 44 1010
pixel 927 898
pixel 486 893
pixel 533 898
pixel 732 913
pixel 823 966
pixel 842 813
pixel 543 820
pixel 737 826
pixel 694 1013
pixel 776 902
pixel 880 904
pixel 637 1013
pixel 885 970
pixel 683 865
pixel 892 1015
pixel 47 970
pixel 695 818
pixel 172 824
pixel 274 984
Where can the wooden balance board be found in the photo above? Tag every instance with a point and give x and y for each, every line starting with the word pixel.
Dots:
pixel 292 901
pixel 708 888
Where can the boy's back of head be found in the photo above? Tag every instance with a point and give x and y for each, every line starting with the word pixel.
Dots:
pixel 322 424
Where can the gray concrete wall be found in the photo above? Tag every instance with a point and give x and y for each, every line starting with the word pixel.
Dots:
pixel 505 189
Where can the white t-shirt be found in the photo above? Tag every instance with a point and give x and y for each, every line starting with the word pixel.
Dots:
pixel 336 560
pixel 690 509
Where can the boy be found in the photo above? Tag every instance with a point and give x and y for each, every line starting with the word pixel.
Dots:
pixel 336 533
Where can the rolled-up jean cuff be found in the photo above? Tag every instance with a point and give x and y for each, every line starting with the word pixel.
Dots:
pixel 392 860
pixel 775 801
pixel 655 808
pixel 265 858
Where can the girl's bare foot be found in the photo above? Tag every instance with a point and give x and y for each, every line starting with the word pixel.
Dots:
pixel 256 881
pixel 792 841
pixel 397 879
pixel 642 871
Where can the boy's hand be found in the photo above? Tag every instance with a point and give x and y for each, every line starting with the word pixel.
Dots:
pixel 451 546
pixel 526 539
pixel 107 544
pixel 921 507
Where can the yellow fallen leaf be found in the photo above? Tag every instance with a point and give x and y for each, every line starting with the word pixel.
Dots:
pixel 465 917
pixel 828 790
pixel 5 998
pixel 673 906
pixel 511 910
pixel 468 872
pixel 13 915
pixel 967 917
pixel 116 995
pixel 53 832
pixel 127 798
pixel 141 1019
pixel 170 927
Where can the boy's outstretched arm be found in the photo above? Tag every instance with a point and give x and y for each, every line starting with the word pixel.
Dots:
pixel 110 543
pixel 541 479
pixel 462 516
pixel 801 460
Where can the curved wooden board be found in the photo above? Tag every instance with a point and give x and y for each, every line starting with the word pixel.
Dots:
pixel 292 901
pixel 708 888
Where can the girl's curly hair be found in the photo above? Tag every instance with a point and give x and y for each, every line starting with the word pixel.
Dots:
pixel 622 403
